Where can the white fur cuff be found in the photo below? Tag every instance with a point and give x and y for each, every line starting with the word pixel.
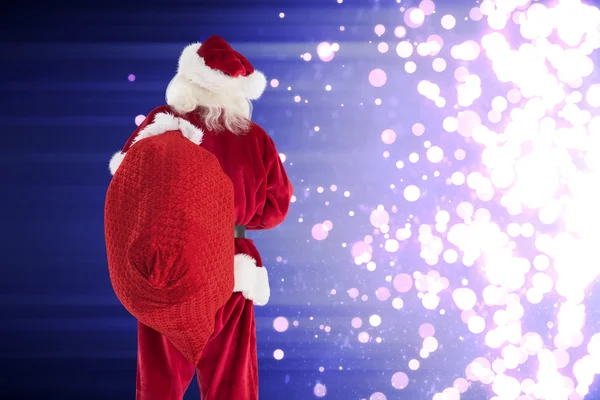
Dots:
pixel 251 280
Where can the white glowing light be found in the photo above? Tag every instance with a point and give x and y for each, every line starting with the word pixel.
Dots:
pixel 525 156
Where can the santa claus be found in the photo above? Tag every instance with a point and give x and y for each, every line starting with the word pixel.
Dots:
pixel 189 182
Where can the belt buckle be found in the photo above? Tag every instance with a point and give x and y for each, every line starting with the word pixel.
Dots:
pixel 239 232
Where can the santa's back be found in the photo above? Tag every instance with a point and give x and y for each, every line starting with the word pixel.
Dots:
pixel 250 159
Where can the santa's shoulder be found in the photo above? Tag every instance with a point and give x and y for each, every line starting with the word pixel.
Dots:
pixel 257 131
pixel 261 134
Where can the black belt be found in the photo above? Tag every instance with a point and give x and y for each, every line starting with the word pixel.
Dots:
pixel 239 232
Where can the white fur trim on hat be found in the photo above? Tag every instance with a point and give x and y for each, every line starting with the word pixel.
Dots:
pixel 193 67
pixel 163 122
pixel 251 280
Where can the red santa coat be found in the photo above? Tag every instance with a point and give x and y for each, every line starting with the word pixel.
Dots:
pixel 262 197
pixel 262 191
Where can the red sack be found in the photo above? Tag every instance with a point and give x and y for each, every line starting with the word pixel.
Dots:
pixel 169 219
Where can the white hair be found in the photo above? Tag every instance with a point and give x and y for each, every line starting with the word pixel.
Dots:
pixel 220 110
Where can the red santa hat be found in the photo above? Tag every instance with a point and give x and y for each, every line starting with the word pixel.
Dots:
pixel 217 67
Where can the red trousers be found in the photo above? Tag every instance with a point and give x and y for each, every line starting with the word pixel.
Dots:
pixel 228 368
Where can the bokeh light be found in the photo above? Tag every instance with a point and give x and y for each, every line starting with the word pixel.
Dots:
pixel 536 143
pixel 377 77
pixel 400 380
pixel 325 51
pixel 281 324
